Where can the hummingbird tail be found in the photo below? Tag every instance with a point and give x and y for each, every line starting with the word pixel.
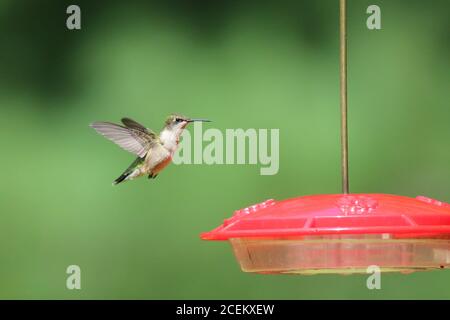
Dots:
pixel 122 177
pixel 129 171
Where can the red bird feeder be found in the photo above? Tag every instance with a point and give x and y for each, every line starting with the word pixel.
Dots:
pixel 340 233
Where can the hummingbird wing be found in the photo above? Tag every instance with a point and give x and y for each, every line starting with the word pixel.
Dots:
pixel 130 123
pixel 133 140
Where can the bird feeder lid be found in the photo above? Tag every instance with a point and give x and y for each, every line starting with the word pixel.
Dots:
pixel 338 214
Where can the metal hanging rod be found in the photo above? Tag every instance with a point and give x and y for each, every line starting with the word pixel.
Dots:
pixel 343 93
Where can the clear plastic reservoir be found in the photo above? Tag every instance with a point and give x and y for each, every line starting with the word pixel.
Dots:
pixel 341 254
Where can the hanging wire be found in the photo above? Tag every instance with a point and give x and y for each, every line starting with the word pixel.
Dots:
pixel 343 93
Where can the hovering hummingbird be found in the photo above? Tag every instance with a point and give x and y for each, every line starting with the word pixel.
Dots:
pixel 154 151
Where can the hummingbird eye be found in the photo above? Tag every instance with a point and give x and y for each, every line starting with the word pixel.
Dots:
pixel 178 120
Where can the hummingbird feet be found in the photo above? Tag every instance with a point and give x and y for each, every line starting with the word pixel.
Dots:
pixel 152 176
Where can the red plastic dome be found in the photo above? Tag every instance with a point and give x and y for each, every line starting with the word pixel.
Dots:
pixel 338 214
pixel 339 233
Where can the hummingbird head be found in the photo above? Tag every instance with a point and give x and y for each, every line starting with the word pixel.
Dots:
pixel 174 126
pixel 177 122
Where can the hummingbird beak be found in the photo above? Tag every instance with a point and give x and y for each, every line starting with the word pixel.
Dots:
pixel 200 120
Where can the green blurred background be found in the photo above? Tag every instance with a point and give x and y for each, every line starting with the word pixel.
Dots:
pixel 268 64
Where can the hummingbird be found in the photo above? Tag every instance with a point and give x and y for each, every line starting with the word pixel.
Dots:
pixel 154 152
